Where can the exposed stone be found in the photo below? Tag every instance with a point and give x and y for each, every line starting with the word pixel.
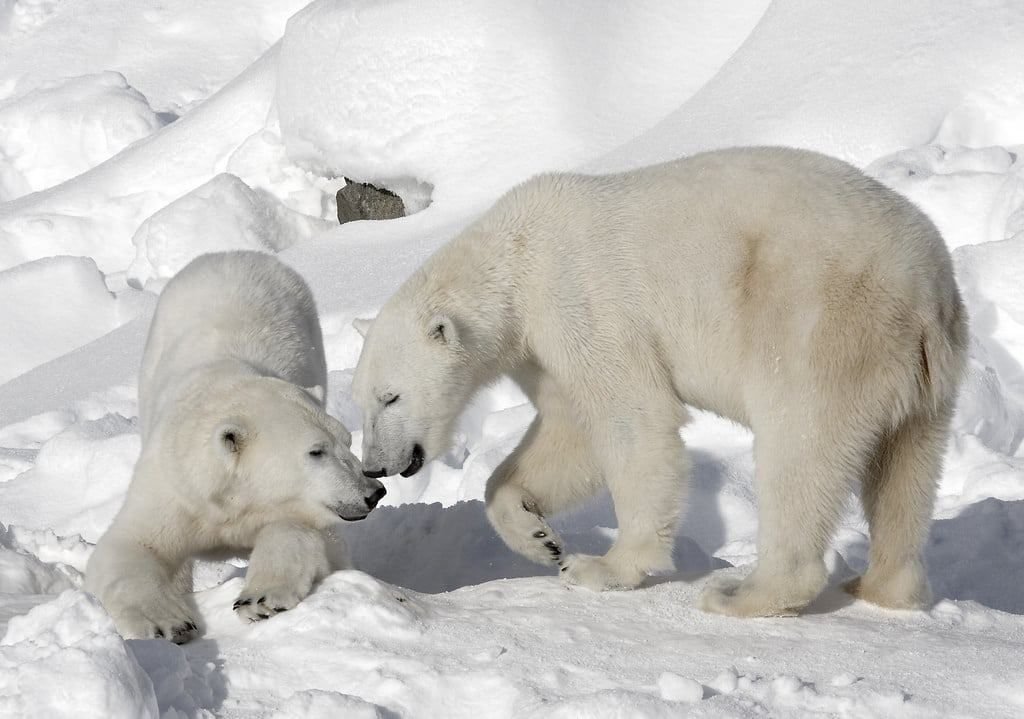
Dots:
pixel 363 201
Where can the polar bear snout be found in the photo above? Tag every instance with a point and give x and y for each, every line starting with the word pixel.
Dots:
pixel 354 508
pixel 413 461
pixel 375 496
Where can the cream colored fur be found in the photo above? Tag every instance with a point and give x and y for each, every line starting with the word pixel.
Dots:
pixel 236 454
pixel 781 288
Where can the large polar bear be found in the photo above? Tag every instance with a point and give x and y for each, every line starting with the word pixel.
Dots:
pixel 237 451
pixel 777 287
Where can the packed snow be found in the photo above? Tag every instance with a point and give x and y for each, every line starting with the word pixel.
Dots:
pixel 137 135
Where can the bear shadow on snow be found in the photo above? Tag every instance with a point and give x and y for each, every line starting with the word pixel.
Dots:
pixel 978 555
pixel 429 548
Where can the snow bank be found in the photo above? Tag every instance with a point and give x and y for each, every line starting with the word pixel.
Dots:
pixel 56 132
pixel 97 213
pixel 175 53
pixel 78 308
pixel 855 80
pixel 474 96
pixel 78 480
pixel 22 572
pixel 71 638
pixel 223 214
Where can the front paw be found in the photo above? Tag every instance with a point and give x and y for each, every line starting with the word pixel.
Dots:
pixel 167 618
pixel 255 605
pixel 599 573
pixel 525 531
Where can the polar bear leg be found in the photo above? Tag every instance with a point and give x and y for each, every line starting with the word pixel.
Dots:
pixel 803 473
pixel 286 560
pixel 550 470
pixel 646 467
pixel 898 495
pixel 143 594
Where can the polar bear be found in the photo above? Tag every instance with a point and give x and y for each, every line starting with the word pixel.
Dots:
pixel 238 453
pixel 777 287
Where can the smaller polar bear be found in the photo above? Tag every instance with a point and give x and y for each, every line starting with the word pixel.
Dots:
pixel 781 288
pixel 238 453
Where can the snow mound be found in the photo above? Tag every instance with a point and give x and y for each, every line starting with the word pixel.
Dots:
pixel 71 638
pixel 21 572
pixel 96 213
pixel 833 90
pixel 78 481
pixel 54 133
pixel 78 309
pixel 173 53
pixel 223 214
pixel 472 97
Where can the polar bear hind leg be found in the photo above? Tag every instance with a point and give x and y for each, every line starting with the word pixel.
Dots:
pixel 898 494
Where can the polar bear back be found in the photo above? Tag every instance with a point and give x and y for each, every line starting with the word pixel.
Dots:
pixel 727 266
pixel 245 308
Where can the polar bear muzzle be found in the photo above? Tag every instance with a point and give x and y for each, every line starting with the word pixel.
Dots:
pixel 416 460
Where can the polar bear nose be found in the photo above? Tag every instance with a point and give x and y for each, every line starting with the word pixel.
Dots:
pixel 378 493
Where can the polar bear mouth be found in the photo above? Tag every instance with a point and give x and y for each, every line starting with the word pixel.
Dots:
pixel 351 517
pixel 416 464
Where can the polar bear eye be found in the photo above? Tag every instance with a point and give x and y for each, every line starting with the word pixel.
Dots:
pixel 317 452
pixel 390 399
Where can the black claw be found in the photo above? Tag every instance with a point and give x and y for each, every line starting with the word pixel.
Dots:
pixel 192 626
pixel 263 616
pixel 242 603
pixel 540 534
pixel 261 599
pixel 552 545
pixel 280 609
pixel 159 633
pixel 563 569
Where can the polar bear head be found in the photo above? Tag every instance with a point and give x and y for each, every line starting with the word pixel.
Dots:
pixel 285 458
pixel 414 376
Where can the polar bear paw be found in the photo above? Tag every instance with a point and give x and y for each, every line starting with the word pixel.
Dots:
pixel 166 618
pixel 525 531
pixel 255 605
pixel 599 573
pixel 747 598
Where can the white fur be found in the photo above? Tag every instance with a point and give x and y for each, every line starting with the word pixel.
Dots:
pixel 226 464
pixel 780 288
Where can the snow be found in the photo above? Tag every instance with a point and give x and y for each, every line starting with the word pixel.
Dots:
pixel 135 135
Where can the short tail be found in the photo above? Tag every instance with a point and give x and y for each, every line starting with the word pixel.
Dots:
pixel 943 354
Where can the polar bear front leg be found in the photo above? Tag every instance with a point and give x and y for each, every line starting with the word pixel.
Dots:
pixel 286 560
pixel 145 594
pixel 547 472
pixel 646 469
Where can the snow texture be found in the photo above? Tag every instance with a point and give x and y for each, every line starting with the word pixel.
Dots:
pixel 135 135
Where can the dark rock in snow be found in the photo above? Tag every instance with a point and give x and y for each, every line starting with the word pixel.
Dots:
pixel 363 201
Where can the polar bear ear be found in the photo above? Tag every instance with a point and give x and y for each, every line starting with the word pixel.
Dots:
pixel 362 325
pixel 230 437
pixel 316 392
pixel 442 329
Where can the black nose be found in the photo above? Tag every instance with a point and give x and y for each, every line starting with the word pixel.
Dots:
pixel 375 473
pixel 372 500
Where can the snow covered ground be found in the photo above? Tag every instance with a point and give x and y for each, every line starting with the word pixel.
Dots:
pixel 135 135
